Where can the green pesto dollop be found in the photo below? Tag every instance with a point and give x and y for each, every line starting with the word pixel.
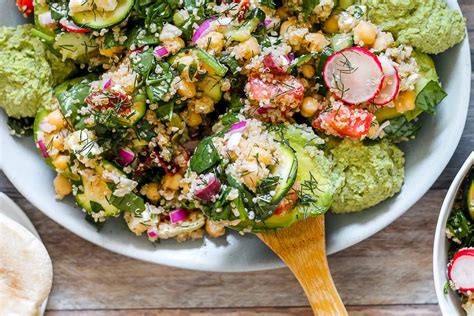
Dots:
pixel 428 25
pixel 28 73
pixel 369 174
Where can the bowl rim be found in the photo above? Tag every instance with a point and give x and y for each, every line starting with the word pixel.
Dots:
pixel 364 228
pixel 440 240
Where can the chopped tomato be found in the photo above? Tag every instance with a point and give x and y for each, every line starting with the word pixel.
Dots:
pixel 110 100
pixel 244 7
pixel 287 203
pixel 25 6
pixel 275 66
pixel 284 90
pixel 345 121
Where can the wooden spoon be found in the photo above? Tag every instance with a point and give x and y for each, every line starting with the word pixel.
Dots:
pixel 302 247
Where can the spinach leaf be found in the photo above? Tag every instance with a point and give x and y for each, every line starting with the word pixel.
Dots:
pixel 268 3
pixel 401 129
pixel 308 7
pixel 205 157
pixel 231 63
pixel 58 8
pixel 159 84
pixel 96 207
pixel 144 130
pixel 431 95
pixel 129 202
pixel 165 111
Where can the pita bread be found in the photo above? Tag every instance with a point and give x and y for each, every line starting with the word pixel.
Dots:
pixel 26 272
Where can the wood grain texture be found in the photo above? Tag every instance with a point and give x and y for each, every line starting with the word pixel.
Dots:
pixel 387 274
pixel 302 247
pixel 392 310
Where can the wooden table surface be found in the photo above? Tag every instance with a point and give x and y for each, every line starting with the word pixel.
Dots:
pixel 389 273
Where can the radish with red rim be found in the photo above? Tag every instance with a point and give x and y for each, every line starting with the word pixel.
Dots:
pixel 390 85
pixel 353 75
pixel 72 27
pixel 461 270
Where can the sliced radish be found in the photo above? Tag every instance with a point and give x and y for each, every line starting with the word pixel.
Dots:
pixel 461 270
pixel 354 75
pixel 390 85
pixel 72 27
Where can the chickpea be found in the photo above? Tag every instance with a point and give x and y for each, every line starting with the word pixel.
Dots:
pixel 62 186
pixel 214 229
pixel 282 12
pixel 365 32
pixel 174 45
pixel 405 101
pixel 186 89
pixel 212 42
pixel 383 41
pixel 111 52
pixel 203 105
pixel 308 71
pixel 184 64
pixel 331 25
pixel 61 162
pixel 58 142
pixel 172 181
pixel 315 42
pixel 151 191
pixel 285 25
pixel 247 49
pixel 56 119
pixel 309 106
pixel 194 119
pixel 251 179
pixel 263 156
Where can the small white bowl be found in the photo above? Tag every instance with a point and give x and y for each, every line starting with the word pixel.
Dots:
pixel 450 304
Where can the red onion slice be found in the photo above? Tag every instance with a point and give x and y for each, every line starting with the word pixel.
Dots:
pixel 179 215
pixel 209 190
pixel 202 30
pixel 238 127
pixel 126 156
pixel 43 148
pixel 161 51
pixel 107 84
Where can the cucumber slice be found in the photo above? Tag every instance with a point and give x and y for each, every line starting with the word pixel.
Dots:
pixel 211 87
pixel 97 196
pixel 79 47
pixel 138 111
pixel 97 19
pixel 286 170
pixel 470 197
pixel 38 133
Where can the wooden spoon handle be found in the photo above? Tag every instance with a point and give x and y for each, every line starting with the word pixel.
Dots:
pixel 302 247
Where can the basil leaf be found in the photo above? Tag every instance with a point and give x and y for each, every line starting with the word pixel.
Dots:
pixel 308 7
pixel 205 157
pixel 431 95
pixel 401 129
pixel 129 202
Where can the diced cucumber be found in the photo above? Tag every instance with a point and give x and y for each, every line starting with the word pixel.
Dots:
pixel 79 47
pixel 211 87
pixel 341 41
pixel 138 111
pixel 286 169
pixel 97 19
pixel 211 63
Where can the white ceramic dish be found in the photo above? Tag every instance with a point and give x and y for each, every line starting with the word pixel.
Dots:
pixel 15 213
pixel 426 158
pixel 450 303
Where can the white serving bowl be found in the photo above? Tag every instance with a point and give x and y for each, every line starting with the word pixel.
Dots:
pixel 426 157
pixel 450 303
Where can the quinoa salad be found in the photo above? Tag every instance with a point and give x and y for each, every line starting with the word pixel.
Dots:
pixel 460 232
pixel 191 117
